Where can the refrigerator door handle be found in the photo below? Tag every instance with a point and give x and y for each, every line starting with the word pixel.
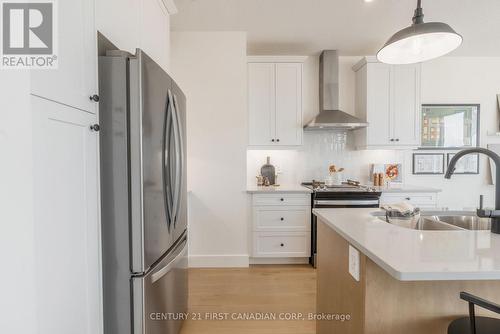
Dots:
pixel 166 168
pixel 177 167
pixel 179 158
pixel 164 270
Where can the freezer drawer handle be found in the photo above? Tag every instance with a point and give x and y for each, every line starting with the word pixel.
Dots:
pixel 163 271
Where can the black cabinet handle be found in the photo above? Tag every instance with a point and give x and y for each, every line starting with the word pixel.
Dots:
pixel 282 218
pixel 282 199
pixel 391 139
pixel 95 127
pixel 94 98
pixel 272 140
pixel 407 198
pixel 282 245
pixel 397 139
pixel 277 140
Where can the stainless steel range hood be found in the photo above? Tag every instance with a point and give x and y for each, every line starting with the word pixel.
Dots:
pixel 330 117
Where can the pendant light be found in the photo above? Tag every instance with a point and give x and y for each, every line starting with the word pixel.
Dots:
pixel 419 42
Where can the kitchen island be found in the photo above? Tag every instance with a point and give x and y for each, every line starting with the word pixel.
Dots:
pixel 409 280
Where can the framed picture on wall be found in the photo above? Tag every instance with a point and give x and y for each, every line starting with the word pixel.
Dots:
pixel 428 163
pixel 449 126
pixel 468 164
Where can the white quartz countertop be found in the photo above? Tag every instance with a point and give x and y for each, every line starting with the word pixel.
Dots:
pixel 278 189
pixel 413 255
pixel 405 188
pixel 300 189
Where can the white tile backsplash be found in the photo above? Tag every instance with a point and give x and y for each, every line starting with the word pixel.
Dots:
pixel 311 160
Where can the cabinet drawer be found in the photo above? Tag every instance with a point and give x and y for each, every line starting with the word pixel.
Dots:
pixel 280 199
pixel 418 199
pixel 282 218
pixel 282 244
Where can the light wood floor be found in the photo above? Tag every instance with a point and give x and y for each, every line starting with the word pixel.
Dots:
pixel 272 289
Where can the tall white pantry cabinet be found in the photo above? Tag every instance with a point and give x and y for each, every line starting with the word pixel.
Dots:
pixel 64 109
pixel 65 180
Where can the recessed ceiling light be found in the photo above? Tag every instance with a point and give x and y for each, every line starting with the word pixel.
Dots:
pixel 368 0
pixel 420 41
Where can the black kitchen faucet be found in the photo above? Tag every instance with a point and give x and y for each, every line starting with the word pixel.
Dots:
pixel 484 213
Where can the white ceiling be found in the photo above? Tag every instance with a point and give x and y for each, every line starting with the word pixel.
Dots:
pixel 351 26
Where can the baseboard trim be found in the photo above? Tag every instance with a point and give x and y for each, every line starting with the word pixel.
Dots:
pixel 279 260
pixel 218 261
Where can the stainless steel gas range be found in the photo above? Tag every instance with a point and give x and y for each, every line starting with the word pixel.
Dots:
pixel 347 195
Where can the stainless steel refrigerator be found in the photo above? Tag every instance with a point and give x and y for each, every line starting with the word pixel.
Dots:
pixel 143 195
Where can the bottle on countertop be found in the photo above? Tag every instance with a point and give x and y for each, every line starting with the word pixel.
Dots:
pixel 378 179
pixel 269 171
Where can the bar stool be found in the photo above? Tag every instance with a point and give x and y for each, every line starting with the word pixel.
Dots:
pixel 473 324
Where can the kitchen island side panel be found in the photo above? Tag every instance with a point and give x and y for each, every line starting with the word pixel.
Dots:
pixel 337 291
pixel 415 307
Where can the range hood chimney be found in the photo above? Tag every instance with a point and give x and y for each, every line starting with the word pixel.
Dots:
pixel 330 117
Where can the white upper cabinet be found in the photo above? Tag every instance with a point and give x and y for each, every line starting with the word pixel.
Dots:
pixel 388 98
pixel 135 23
pixel 155 34
pixel 261 103
pixel 275 101
pixel 120 21
pixel 378 104
pixel 407 105
pixel 131 24
pixel 289 104
pixel 75 79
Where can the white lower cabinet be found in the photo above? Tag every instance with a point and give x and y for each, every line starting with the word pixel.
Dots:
pixel 281 199
pixel 281 225
pixel 67 231
pixel 282 244
pixel 419 199
pixel 281 218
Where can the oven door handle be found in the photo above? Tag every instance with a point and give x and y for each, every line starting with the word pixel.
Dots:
pixel 346 202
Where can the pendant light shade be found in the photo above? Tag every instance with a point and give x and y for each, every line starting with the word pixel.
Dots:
pixel 419 42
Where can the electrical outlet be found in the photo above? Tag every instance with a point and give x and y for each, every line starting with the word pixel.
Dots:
pixel 354 263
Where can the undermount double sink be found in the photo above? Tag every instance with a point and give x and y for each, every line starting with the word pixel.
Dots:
pixel 443 221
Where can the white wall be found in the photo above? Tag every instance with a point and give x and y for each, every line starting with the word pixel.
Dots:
pixel 445 80
pixel 132 24
pixel 210 67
